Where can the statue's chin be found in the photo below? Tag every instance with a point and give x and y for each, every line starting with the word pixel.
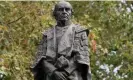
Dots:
pixel 64 19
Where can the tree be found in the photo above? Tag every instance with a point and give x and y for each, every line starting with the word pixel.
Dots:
pixel 111 42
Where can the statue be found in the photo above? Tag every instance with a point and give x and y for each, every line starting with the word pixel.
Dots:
pixel 63 51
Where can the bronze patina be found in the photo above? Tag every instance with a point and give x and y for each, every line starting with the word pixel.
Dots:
pixel 63 51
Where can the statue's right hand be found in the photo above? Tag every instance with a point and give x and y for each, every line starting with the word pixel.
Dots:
pixel 60 75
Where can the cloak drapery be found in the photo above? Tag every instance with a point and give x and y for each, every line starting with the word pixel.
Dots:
pixel 73 46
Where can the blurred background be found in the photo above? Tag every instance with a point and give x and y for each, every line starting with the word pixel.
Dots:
pixel 110 38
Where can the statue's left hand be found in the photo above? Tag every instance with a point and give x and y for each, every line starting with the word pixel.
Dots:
pixel 60 75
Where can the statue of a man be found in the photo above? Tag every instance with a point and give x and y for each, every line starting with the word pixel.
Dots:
pixel 63 52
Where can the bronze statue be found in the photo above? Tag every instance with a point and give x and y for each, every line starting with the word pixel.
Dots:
pixel 63 52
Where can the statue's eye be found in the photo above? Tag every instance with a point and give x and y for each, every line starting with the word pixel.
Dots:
pixel 67 9
pixel 60 9
pixel 63 9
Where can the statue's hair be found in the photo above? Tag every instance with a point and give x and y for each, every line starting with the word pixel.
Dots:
pixel 55 7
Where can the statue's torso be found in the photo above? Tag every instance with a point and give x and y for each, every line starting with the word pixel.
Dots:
pixel 60 43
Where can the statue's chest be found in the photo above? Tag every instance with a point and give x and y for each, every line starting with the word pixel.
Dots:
pixel 59 33
pixel 61 43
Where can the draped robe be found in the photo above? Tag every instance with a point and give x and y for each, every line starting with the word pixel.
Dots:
pixel 72 44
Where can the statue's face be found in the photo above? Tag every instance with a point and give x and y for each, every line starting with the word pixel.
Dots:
pixel 63 11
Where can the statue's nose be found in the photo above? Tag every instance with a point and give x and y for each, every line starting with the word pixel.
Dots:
pixel 64 10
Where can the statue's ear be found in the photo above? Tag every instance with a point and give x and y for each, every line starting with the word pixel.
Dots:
pixel 53 12
pixel 87 32
pixel 72 11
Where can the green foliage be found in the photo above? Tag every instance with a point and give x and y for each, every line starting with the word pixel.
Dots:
pixel 21 25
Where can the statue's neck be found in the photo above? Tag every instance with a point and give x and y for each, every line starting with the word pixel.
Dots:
pixel 63 23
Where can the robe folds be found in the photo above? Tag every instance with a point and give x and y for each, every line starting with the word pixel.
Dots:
pixel 71 54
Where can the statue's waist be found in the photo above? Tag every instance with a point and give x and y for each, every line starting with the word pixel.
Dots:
pixel 60 60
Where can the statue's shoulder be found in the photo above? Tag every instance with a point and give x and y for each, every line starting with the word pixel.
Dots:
pixel 49 31
pixel 81 29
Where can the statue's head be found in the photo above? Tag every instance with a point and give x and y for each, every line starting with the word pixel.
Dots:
pixel 63 11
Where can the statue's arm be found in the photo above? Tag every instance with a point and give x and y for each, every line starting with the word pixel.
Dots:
pixel 41 59
pixel 41 49
pixel 47 66
pixel 83 52
pixel 82 59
